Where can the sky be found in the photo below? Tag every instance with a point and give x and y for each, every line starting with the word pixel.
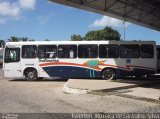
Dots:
pixel 40 20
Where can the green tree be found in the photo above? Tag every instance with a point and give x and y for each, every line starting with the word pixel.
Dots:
pixel 110 34
pixel 94 35
pixel 105 34
pixel 31 40
pixel 13 39
pixel 17 39
pixel 46 40
pixel 23 39
pixel 75 37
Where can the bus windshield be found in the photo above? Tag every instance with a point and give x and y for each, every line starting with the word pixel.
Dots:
pixel 12 55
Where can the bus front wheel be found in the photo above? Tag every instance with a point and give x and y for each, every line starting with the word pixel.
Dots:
pixel 108 74
pixel 31 74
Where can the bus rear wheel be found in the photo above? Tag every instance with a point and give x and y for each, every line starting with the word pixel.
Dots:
pixel 31 74
pixel 108 74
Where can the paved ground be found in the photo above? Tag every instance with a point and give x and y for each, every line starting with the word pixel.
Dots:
pixel 141 87
pixel 47 96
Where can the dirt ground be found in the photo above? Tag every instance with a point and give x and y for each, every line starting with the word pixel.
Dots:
pixel 20 96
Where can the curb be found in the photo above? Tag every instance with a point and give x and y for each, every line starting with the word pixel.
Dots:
pixel 70 90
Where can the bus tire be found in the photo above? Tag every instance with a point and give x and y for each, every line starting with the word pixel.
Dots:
pixel 31 74
pixel 108 74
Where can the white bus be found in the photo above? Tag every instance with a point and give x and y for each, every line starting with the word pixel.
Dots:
pixel 79 59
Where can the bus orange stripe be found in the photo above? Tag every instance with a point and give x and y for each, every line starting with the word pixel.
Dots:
pixel 66 63
pixel 96 67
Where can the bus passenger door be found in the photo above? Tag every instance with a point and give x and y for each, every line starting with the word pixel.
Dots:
pixel 12 65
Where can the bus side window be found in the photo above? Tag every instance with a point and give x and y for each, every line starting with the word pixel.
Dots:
pixel 147 51
pixel 47 51
pixel 29 51
pixel 158 53
pixel 67 51
pixel 109 51
pixel 88 51
pixel 129 51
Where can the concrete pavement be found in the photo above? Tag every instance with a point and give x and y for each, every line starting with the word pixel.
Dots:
pixel 148 88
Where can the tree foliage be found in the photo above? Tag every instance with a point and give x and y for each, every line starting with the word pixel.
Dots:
pixel 105 34
pixel 31 40
pixel 46 40
pixel 13 39
pixel 75 37
pixel 17 39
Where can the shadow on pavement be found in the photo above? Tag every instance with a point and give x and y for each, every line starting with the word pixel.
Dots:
pixel 43 80
pixel 151 82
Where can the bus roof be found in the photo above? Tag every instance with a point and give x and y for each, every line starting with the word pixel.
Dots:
pixel 77 42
